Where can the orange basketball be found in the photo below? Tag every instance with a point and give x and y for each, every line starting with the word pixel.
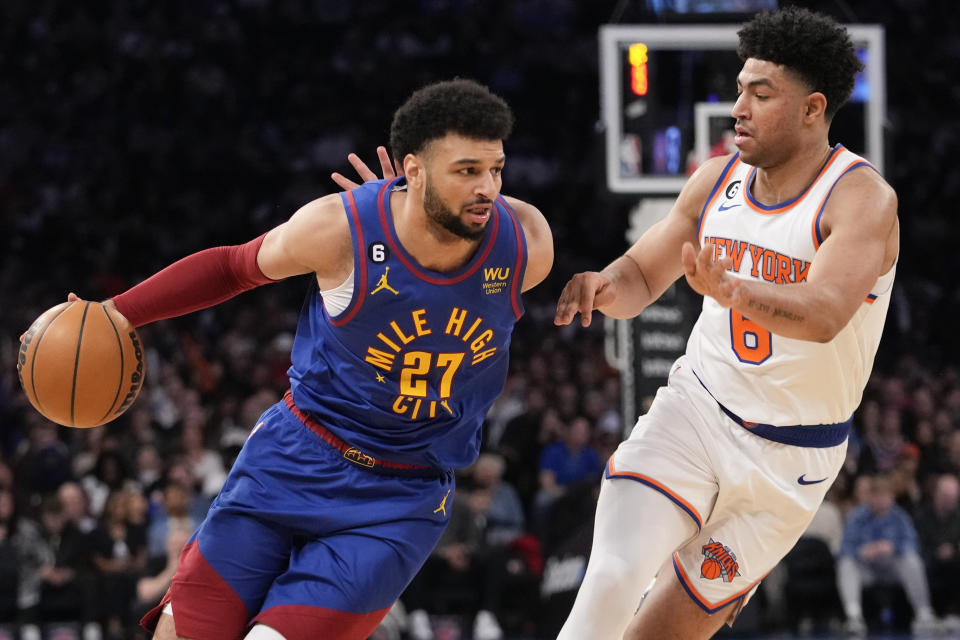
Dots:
pixel 710 568
pixel 78 366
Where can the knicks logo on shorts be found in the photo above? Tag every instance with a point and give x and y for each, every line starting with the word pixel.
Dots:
pixel 719 561
pixel 356 456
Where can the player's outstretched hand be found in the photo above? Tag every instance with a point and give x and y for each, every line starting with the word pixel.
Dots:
pixel 71 297
pixel 585 292
pixel 389 169
pixel 709 277
pixel 108 303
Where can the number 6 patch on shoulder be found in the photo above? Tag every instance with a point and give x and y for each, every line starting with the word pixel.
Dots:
pixel 378 252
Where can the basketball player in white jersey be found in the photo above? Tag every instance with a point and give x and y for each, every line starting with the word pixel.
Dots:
pixel 793 243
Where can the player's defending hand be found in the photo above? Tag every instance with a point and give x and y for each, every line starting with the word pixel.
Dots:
pixel 390 170
pixel 709 277
pixel 585 292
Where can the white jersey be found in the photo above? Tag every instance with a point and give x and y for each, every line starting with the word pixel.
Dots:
pixel 763 377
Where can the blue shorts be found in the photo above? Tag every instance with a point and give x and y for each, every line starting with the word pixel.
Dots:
pixel 304 540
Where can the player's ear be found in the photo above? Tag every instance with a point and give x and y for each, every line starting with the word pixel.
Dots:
pixel 413 169
pixel 815 106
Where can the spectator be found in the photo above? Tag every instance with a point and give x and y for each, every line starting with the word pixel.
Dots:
pixel 888 441
pixel 879 546
pixel 93 442
pixel 951 453
pixel 904 479
pixel 151 587
pixel 563 464
pixel 179 473
pixel 205 463
pixel 9 563
pixel 109 475
pixel 939 528
pixel 44 463
pixel 522 440
pixel 598 409
pixel 55 582
pixel 802 589
pixel 504 514
pixel 149 469
pixel 462 575
pixel 76 507
pixel 173 513
pixel 827 525
pixel 119 556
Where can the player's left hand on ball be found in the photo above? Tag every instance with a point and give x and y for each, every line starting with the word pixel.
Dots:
pixel 71 297
pixel 389 169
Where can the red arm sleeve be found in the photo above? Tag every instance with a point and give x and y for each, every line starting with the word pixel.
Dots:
pixel 196 282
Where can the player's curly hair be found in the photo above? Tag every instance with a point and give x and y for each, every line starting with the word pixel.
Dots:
pixel 459 106
pixel 810 44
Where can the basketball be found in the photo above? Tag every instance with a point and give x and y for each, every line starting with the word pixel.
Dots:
pixel 78 366
pixel 710 568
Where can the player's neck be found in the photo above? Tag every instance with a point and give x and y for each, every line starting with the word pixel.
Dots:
pixel 432 246
pixel 789 179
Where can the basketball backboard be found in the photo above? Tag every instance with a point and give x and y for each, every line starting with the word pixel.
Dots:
pixel 658 82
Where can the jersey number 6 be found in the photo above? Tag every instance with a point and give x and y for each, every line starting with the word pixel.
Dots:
pixel 752 343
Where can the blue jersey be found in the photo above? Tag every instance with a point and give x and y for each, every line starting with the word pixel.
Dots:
pixel 408 370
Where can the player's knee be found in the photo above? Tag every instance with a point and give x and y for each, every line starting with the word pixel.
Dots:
pixel 263 632
pixel 609 571
pixel 165 629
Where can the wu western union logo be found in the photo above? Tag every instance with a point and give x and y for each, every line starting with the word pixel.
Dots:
pixel 495 279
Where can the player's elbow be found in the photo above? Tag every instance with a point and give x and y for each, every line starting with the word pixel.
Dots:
pixel 824 337
pixel 825 329
pixel 827 316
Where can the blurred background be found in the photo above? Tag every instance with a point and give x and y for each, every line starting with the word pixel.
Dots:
pixel 134 133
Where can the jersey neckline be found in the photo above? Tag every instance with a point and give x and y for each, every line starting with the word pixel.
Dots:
pixel 786 205
pixel 429 275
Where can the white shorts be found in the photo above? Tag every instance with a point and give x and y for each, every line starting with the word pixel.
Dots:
pixel 750 497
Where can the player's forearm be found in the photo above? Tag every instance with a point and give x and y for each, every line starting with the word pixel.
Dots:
pixel 631 291
pixel 196 282
pixel 800 311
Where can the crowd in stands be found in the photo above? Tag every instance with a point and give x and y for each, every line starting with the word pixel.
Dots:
pixel 134 133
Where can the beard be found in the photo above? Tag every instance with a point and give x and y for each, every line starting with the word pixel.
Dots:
pixel 437 211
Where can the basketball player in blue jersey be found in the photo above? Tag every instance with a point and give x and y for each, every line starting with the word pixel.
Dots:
pixel 793 244
pixel 344 487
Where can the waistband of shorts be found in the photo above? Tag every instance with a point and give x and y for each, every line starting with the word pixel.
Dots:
pixel 818 436
pixel 353 454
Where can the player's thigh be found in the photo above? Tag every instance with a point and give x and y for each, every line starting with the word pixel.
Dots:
pixel 668 613
pixel 247 552
pixel 224 574
pixel 341 586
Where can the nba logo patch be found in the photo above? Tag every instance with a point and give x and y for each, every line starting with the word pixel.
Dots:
pixel 718 562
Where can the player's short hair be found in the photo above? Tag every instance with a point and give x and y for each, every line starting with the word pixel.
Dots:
pixel 811 45
pixel 459 106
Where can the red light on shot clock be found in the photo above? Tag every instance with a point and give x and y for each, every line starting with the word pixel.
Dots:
pixel 637 55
